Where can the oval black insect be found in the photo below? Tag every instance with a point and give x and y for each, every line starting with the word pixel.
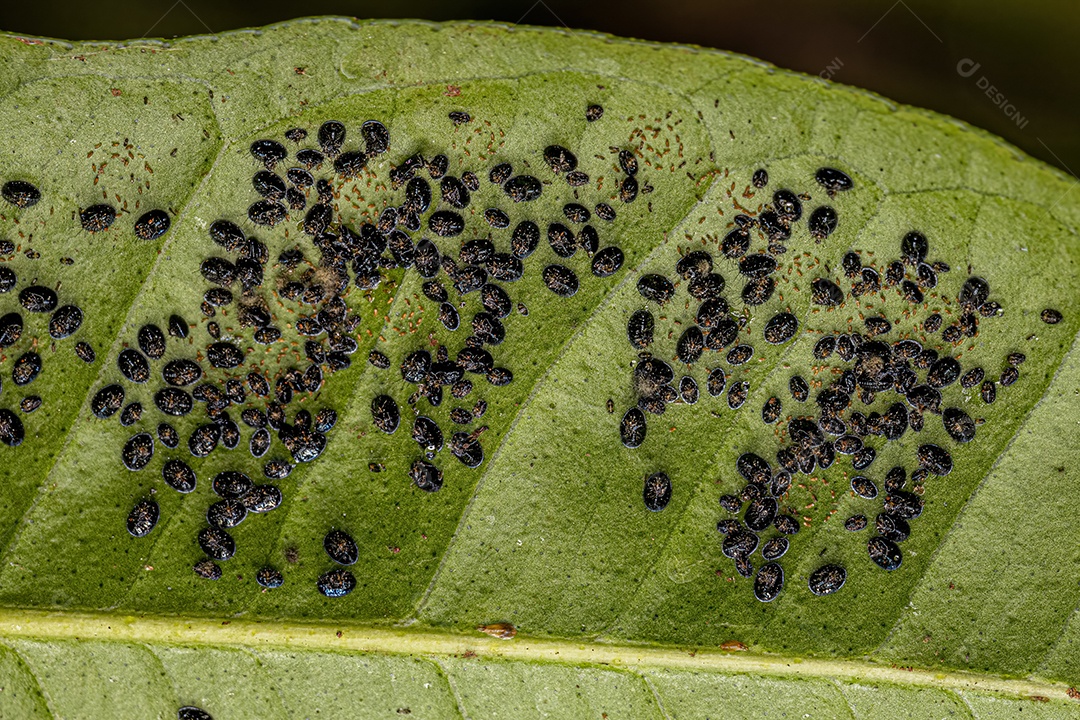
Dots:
pixel 757 266
pixel 232 484
pixel 639 329
pixel 12 432
pixel 1050 316
pixel 559 159
pixel 716 381
pixel 138 451
pixel 958 424
pixel 607 261
pixel 769 582
pixel 825 292
pixel 64 322
pixel 216 543
pixel 173 401
pixel 97 218
pixel 943 372
pixel 20 193
pixel 892 527
pixel 770 411
pixel 522 188
pixel 427 435
pixel 758 291
pixel 827 579
pixel 426 476
pixel 780 328
pixel 632 428
pixel 823 222
pixel 226 514
pixel 143 517
pixel 376 137
pixel 691 345
pixel 178 475
pixel 707 287
pixel 799 389
pixel 560 280
pixel 269 578
pixel 657 491
pixel 884 553
pixel 133 365
pixel 336 583
pixel 656 288
pixel 341 548
pixel 833 180
pixel 107 401
pixel 266 212
pixel 936 459
pixel 152 225
pixel 225 355
pixel 761 513
pixel 38 299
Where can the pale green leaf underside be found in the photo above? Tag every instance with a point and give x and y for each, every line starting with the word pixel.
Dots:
pixel 550 534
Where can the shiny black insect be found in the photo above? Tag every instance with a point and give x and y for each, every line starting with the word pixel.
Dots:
pixel 225 355
pixel 64 322
pixel 715 382
pixel 780 328
pixel 216 543
pixel 560 280
pixel 336 583
pixel 825 292
pixel 20 193
pixel 426 476
pixel 152 225
pixel 936 459
pixel 833 180
pixel 143 517
pixel 740 354
pixel 97 218
pixel 827 579
pixel 209 570
pixel 269 578
pixel 138 451
pixel 770 411
pixel 758 291
pixel 107 401
pixel 178 475
pixel 1050 316
pixel 769 582
pixel 737 394
pixel 522 188
pixel 884 553
pixel 12 432
pixel 37 299
pixel 632 428
pixel 341 548
pixel 656 288
pixel 657 491
pixel 376 137
pixel 277 469
pixel 231 484
pixel 823 222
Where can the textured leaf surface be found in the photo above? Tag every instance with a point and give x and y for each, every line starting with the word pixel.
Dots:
pixel 549 533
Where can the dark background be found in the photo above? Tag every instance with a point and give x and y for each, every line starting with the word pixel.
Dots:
pixel 907 50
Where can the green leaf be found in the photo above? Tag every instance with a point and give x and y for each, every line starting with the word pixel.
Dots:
pixel 618 610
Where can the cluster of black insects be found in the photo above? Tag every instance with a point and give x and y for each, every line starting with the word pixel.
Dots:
pixel 64 320
pixel 479 268
pixel 872 368
pixel 314 293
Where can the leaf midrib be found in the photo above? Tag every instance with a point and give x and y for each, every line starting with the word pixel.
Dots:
pixel 414 641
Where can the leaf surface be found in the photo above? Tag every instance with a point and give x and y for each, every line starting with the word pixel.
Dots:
pixel 550 533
